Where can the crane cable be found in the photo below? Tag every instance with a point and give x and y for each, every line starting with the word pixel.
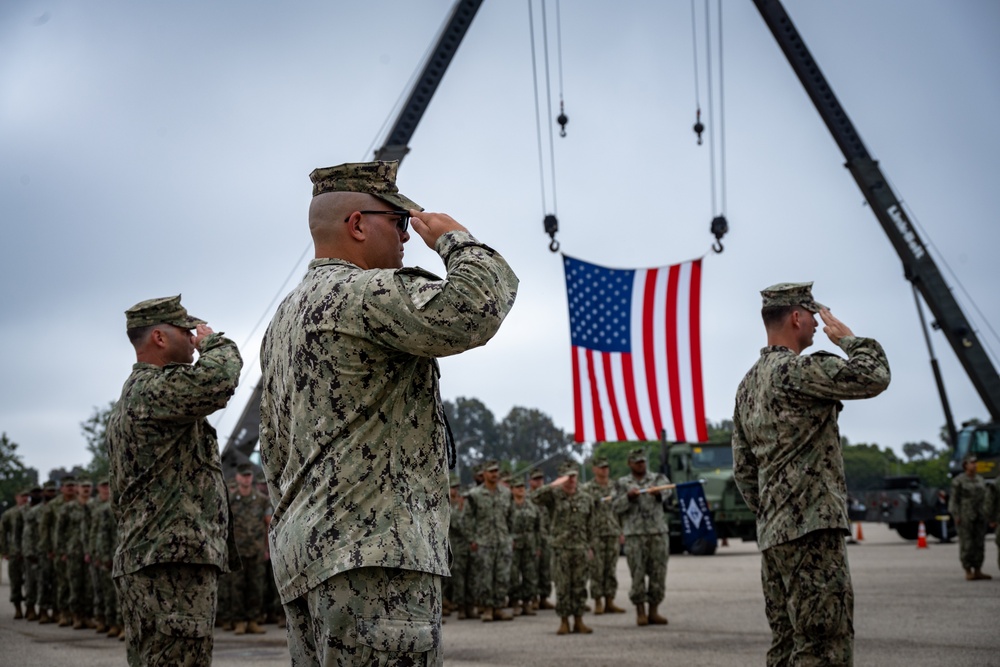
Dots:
pixel 550 222
pixel 719 226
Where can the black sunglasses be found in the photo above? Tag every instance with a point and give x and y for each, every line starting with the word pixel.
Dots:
pixel 402 218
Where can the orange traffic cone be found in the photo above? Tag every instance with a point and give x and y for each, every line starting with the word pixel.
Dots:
pixel 861 535
pixel 922 536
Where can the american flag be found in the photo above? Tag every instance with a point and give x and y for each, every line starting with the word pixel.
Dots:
pixel 636 352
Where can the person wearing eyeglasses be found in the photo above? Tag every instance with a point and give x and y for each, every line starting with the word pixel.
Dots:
pixel 353 436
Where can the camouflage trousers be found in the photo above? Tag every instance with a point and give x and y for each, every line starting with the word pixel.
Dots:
pixel 368 616
pixel 544 571
pixel 80 598
pixel 809 600
pixel 169 613
pixel 491 571
pixel 569 573
pixel 45 575
pixel 524 574
pixel 245 591
pixel 972 543
pixel 603 578
pixel 31 581
pixel 15 569
pixel 60 570
pixel 105 597
pixel 458 583
pixel 647 562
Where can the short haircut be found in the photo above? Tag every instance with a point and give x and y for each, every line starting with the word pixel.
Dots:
pixel 137 334
pixel 774 316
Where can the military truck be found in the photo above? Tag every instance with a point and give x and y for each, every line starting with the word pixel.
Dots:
pixel 903 502
pixel 713 463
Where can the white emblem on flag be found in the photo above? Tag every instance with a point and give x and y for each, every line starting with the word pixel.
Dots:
pixel 693 513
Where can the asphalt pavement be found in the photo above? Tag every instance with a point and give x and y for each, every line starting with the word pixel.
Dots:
pixel 913 607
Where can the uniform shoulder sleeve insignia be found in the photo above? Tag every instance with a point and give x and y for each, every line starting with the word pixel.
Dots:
pixel 421 285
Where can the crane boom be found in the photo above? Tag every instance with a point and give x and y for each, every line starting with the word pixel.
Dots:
pixel 918 265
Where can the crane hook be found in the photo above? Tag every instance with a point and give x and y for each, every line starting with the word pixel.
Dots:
pixel 698 129
pixel 551 225
pixel 562 119
pixel 719 228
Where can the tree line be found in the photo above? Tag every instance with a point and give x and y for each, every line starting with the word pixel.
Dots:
pixel 524 438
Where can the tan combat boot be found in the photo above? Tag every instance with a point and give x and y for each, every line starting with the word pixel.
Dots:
pixel 610 608
pixel 969 576
pixel 227 626
pixel 487 615
pixel 563 626
pixel 545 604
pixel 241 628
pixel 44 617
pixel 99 625
pixel 462 614
pixel 654 615
pixel 255 629
pixel 578 626
pixel 113 631
pixel 978 574
pixel 598 607
pixel 78 623
pixel 18 615
pixel 64 620
pixel 640 615
pixel 501 615
pixel 527 609
pixel 515 608
pixel 31 615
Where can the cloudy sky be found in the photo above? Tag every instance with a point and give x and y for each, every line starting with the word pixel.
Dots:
pixel 150 149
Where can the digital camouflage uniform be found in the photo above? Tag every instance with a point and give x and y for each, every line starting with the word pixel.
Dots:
pixel 72 526
pixel 545 550
pixel 103 532
pixel 460 586
pixel 789 466
pixel 993 512
pixel 644 524
pixel 489 517
pixel 968 505
pixel 11 530
pixel 607 531
pixel 51 579
pixel 525 527
pixel 246 586
pixel 353 437
pixel 167 490
pixel 32 556
pixel 572 526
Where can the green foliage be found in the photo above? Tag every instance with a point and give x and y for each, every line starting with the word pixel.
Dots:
pixel 94 431
pixel 866 465
pixel 14 475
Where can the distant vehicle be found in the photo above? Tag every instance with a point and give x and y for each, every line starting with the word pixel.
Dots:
pixel 983 440
pixel 713 463
pixel 903 502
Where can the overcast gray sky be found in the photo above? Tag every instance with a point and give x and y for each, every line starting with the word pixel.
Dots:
pixel 150 149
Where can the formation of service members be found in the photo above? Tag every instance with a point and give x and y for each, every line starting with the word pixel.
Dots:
pixel 60 543
pixel 503 533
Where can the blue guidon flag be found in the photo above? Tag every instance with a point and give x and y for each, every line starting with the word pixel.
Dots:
pixel 636 352
pixel 696 519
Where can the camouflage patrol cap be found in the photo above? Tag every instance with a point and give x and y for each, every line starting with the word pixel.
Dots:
pixel 374 178
pixel 84 482
pixel 166 309
pixel 517 481
pixel 104 481
pixel 50 484
pixel 600 462
pixel 637 455
pixel 68 479
pixel 569 468
pixel 791 294
pixel 536 473
pixel 244 469
pixel 969 458
pixel 454 481
pixel 492 464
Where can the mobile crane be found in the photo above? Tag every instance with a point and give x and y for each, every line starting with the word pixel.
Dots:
pixel 921 270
